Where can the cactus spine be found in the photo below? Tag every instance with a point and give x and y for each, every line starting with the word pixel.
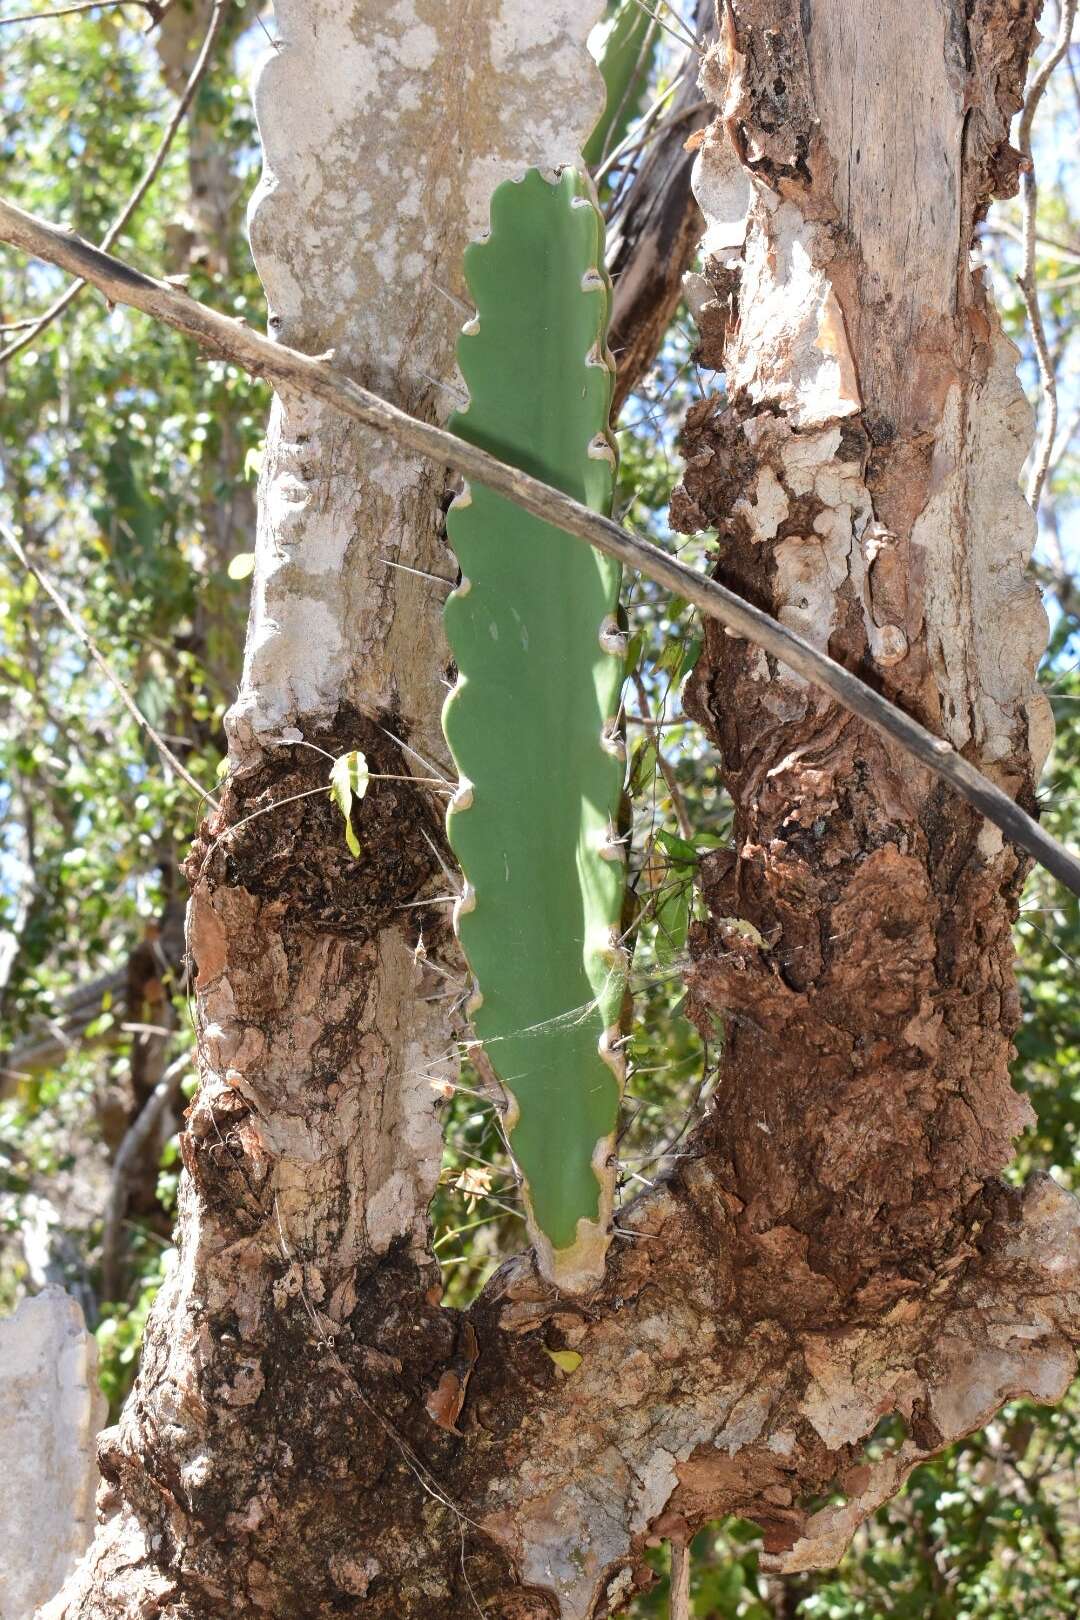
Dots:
pixel 531 722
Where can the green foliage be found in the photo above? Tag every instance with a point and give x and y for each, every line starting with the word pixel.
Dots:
pixel 119 1335
pixel 540 667
pixel 1048 960
pixel 121 462
pixel 624 45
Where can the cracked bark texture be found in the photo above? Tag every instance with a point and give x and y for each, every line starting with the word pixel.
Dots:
pixel 837 1246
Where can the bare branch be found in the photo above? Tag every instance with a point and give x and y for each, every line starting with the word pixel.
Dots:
pixel 684 33
pixel 151 7
pixel 134 1144
pixel 11 540
pixel 1069 251
pixel 290 370
pixel 639 134
pixel 202 61
pixel 679 1602
pixel 1029 197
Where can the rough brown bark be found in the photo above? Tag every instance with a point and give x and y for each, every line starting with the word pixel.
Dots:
pixel 836 1247
pixel 861 475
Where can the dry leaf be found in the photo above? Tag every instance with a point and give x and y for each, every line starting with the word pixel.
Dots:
pixel 567 1361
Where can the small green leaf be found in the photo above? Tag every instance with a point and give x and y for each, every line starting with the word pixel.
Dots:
pixel 691 654
pixel 242 565
pixel 349 778
pixel 680 851
pixel 739 925
pixel 253 463
pixel 642 766
pixel 672 922
pixel 671 657
pixel 567 1361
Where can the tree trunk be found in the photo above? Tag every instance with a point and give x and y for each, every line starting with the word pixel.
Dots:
pixel 862 476
pixel 313 1148
pixel 835 1248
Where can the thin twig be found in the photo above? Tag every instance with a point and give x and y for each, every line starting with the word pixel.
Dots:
pixel 11 540
pixel 687 37
pixel 202 61
pixel 84 5
pixel 1068 251
pixel 1027 281
pixel 306 374
pixel 636 81
pixel 660 130
pixel 633 139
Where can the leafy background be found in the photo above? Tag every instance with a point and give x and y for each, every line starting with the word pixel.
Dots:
pixel 127 464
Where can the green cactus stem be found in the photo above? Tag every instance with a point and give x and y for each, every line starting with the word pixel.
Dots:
pixel 624 46
pixel 531 722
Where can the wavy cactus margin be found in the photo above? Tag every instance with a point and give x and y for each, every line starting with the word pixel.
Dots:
pixel 531 722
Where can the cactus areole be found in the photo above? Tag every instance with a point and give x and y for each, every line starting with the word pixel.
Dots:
pixel 532 723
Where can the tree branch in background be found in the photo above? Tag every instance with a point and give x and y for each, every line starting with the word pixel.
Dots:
pixel 684 34
pixel 679 1601
pixel 1069 251
pixel 1029 197
pixel 202 61
pixel 20 854
pixel 11 540
pixel 153 10
pixel 127 1162
pixel 1064 587
pixel 290 370
pixel 655 231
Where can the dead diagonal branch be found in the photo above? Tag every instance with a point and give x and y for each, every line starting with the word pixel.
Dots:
pixel 131 1150
pixel 288 369
pixel 153 10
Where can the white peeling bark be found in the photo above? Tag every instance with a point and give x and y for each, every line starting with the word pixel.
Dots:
pixel 894 189
pixel 385 131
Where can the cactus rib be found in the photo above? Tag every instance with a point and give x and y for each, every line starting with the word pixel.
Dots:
pixel 531 722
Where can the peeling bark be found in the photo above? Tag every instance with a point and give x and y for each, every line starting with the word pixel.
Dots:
pixel 862 478
pixel 836 1247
